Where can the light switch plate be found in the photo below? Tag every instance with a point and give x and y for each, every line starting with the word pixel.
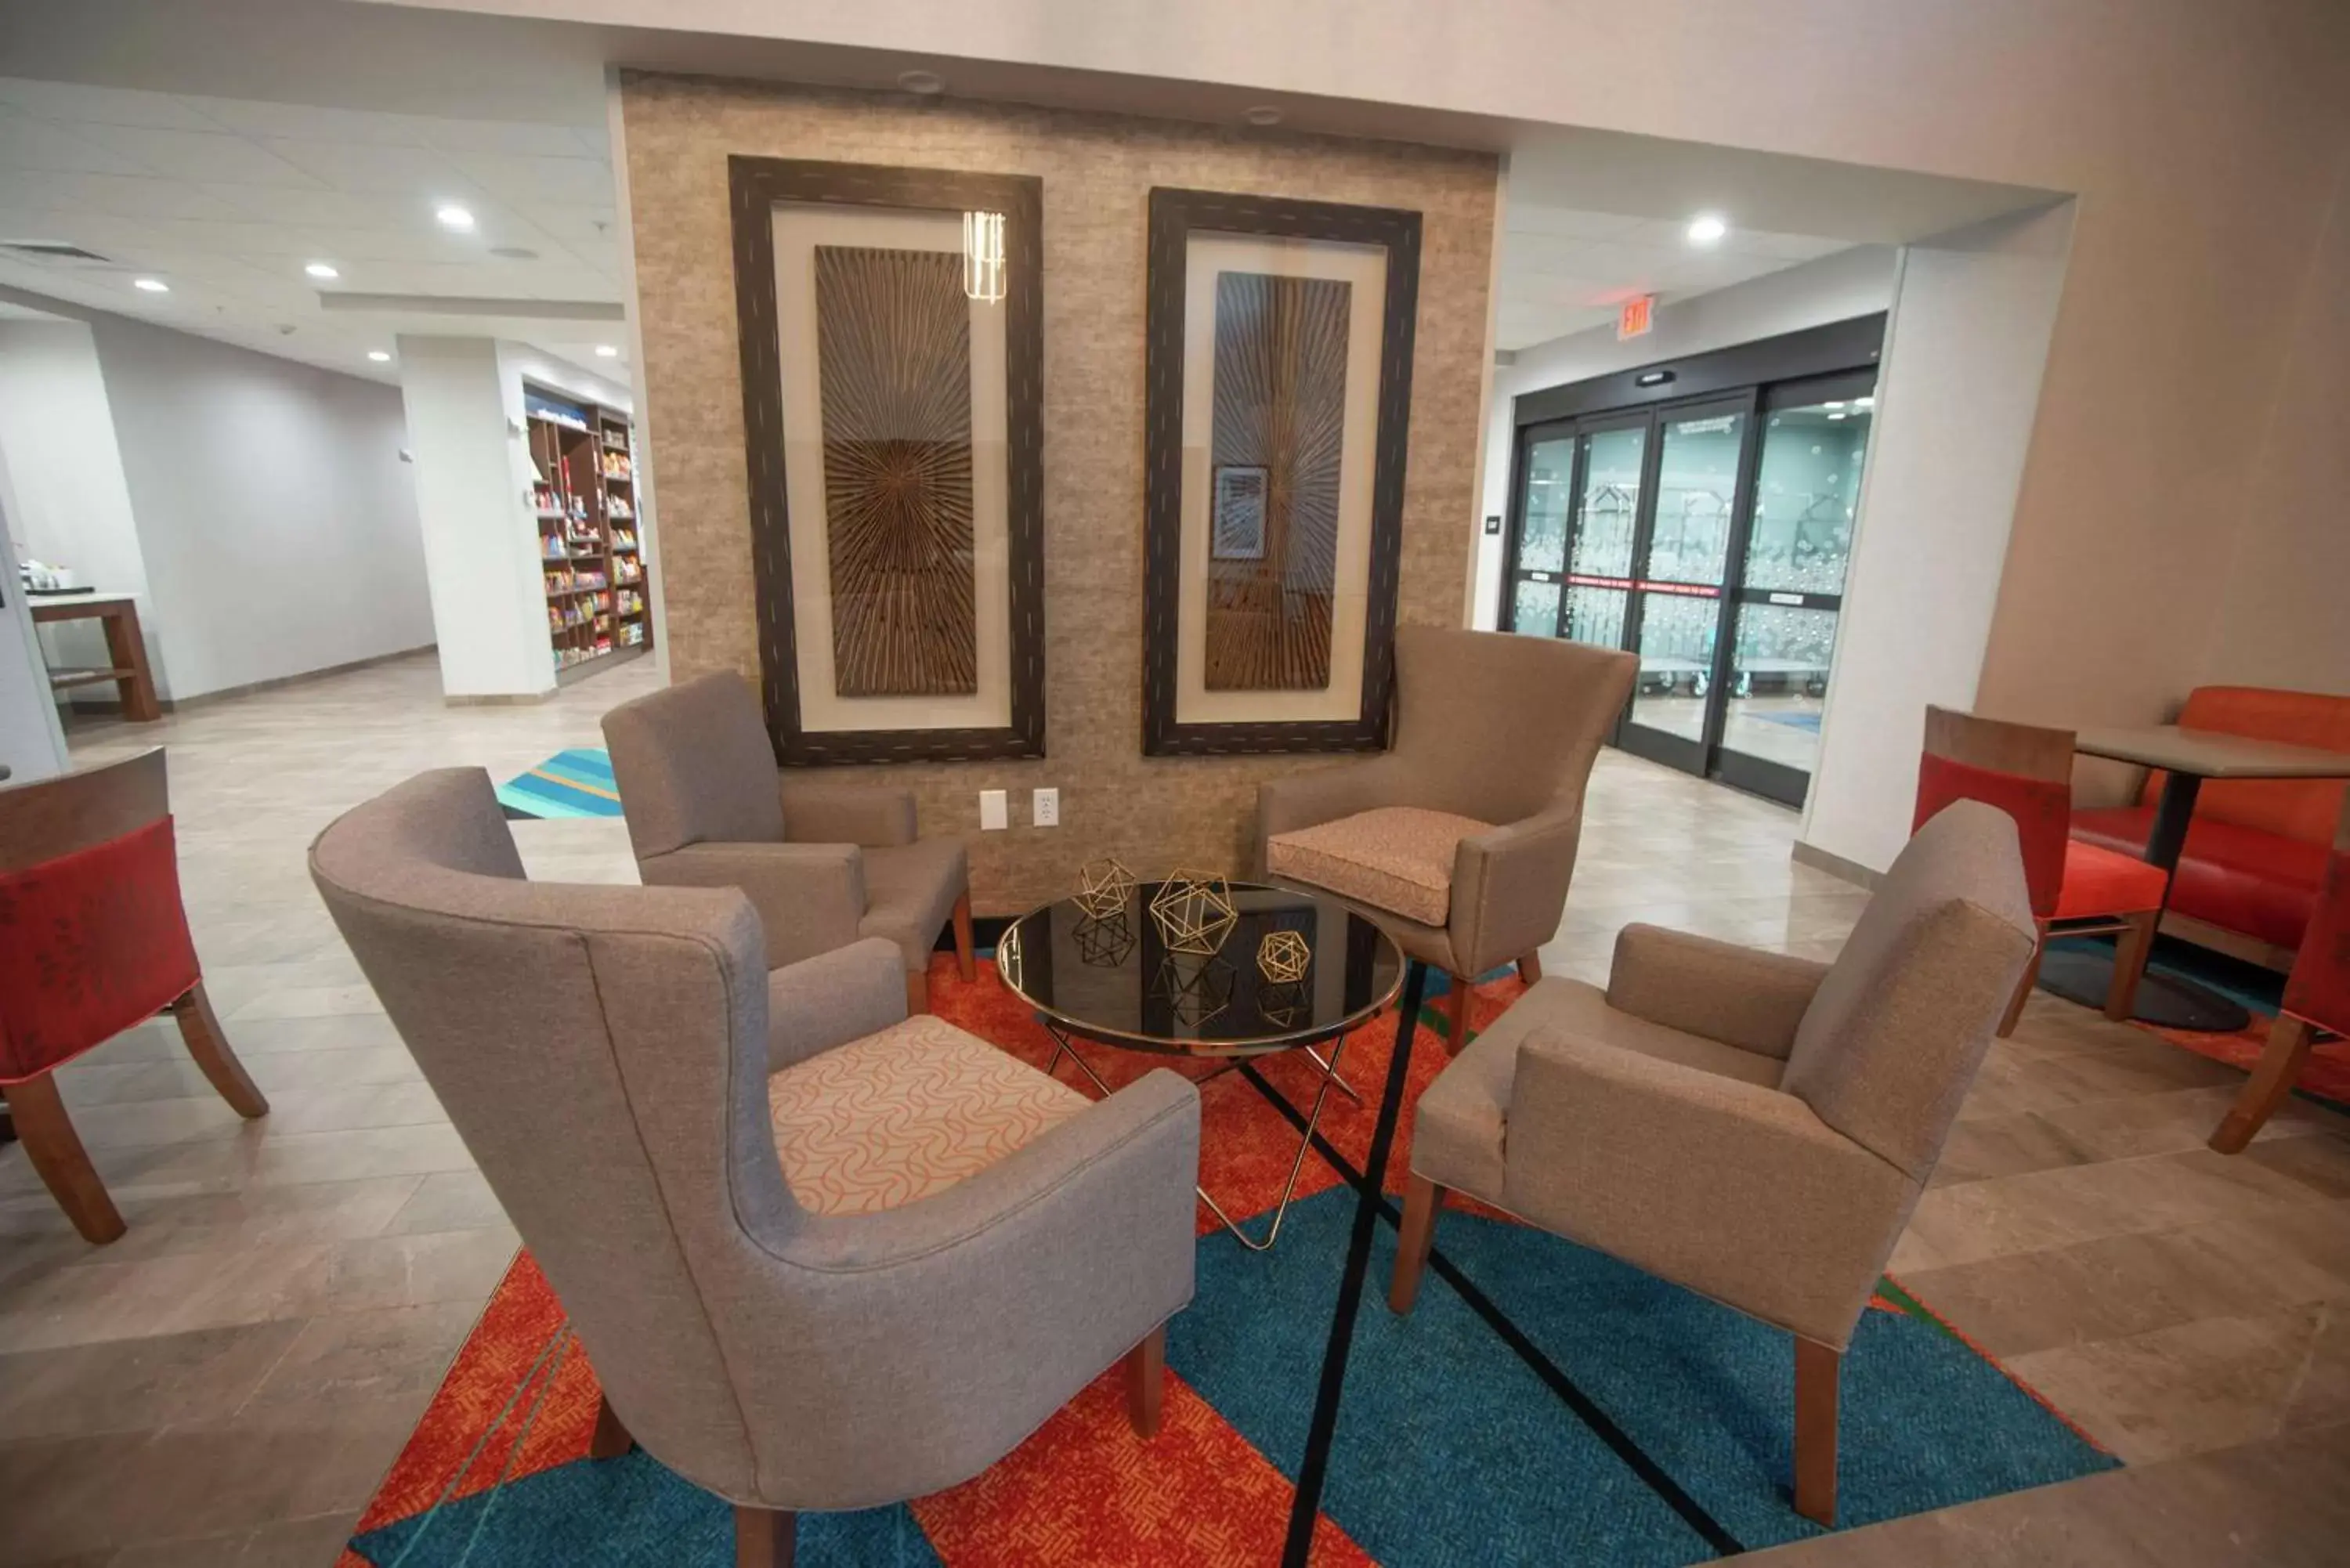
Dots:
pixel 994 809
pixel 1044 808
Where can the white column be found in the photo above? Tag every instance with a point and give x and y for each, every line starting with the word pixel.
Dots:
pixel 466 435
pixel 1964 350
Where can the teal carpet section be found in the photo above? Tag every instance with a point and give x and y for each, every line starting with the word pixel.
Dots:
pixel 624 1514
pixel 576 782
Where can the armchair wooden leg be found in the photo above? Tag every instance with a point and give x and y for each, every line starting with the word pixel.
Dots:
pixel 2130 953
pixel 1453 1008
pixel 1530 969
pixel 611 1440
pixel 58 1156
pixel 1421 1199
pixel 1146 1382
pixel 2272 1080
pixel 1818 1368
pixel 2024 988
pixel 918 993
pixel 764 1537
pixel 201 1032
pixel 965 964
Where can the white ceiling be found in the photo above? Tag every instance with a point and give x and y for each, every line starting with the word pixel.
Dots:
pixel 1565 269
pixel 227 200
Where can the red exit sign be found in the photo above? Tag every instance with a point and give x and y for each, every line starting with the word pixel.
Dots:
pixel 1635 317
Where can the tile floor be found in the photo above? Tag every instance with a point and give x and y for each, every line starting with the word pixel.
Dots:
pixel 225 1385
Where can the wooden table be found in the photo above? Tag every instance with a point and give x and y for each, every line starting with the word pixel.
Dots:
pixel 2187 758
pixel 126 651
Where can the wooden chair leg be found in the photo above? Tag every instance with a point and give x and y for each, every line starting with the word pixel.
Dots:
pixel 2272 1080
pixel 1453 1008
pixel 918 993
pixel 764 1537
pixel 2130 953
pixel 201 1032
pixel 1530 968
pixel 1817 1375
pixel 1146 1382
pixel 1421 1199
pixel 58 1156
pixel 966 965
pixel 2024 988
pixel 611 1440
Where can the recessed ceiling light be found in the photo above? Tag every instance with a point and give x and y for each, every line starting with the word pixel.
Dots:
pixel 379 356
pixel 605 351
pixel 150 285
pixel 924 82
pixel 323 269
pixel 1705 229
pixel 1262 114
pixel 454 217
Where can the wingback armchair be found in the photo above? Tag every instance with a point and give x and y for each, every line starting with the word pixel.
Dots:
pixel 822 1255
pixel 1752 1126
pixel 1460 839
pixel 823 863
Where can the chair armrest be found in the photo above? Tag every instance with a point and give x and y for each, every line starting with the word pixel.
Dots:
pixel 833 998
pixel 953 1325
pixel 829 814
pixel 1325 794
pixel 1509 887
pixel 1735 1190
pixel 1741 996
pixel 809 897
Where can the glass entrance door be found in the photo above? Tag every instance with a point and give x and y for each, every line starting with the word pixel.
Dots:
pixel 1797 545
pixel 1684 554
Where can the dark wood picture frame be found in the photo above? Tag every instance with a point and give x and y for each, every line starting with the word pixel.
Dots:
pixel 755 186
pixel 1175 216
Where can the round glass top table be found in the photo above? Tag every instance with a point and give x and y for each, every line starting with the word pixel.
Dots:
pixel 1281 970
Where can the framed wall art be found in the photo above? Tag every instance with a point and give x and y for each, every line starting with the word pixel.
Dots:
pixel 891 326
pixel 1278 391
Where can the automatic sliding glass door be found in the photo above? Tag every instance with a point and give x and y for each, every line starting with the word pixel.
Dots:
pixel 1700 466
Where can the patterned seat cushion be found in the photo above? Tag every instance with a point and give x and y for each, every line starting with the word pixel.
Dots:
pixel 1396 858
pixel 900 1115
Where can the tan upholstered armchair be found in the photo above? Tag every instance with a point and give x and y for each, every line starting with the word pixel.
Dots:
pixel 1754 1127
pixel 823 864
pixel 1461 839
pixel 821 1255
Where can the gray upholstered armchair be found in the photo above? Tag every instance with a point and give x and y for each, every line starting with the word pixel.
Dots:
pixel 1754 1127
pixel 823 864
pixel 821 1254
pixel 1461 839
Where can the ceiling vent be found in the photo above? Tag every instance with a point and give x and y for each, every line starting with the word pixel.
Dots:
pixel 53 251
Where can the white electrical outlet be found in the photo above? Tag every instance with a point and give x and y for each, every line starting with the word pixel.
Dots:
pixel 994 809
pixel 1044 808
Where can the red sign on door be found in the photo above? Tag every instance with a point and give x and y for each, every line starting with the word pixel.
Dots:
pixel 1635 317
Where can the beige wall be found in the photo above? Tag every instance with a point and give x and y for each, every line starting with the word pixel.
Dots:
pixel 2284 620
pixel 1097 171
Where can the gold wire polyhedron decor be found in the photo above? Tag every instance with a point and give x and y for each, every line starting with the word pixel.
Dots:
pixel 1283 956
pixel 1104 888
pixel 1193 911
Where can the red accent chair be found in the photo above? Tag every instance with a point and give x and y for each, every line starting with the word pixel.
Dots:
pixel 93 939
pixel 2246 882
pixel 2316 997
pixel 2076 889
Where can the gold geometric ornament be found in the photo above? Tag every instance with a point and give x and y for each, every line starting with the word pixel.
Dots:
pixel 1104 888
pixel 1283 956
pixel 1193 911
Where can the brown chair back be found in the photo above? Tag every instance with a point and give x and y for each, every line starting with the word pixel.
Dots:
pixel 50 818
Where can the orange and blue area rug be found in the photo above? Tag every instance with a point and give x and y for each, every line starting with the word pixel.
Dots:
pixel 1544 1403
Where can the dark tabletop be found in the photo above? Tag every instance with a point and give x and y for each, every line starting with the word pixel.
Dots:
pixel 1114 979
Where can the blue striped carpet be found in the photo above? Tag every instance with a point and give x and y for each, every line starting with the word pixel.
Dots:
pixel 576 782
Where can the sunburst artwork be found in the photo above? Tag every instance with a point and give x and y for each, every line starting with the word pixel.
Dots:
pixel 1279 436
pixel 893 335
